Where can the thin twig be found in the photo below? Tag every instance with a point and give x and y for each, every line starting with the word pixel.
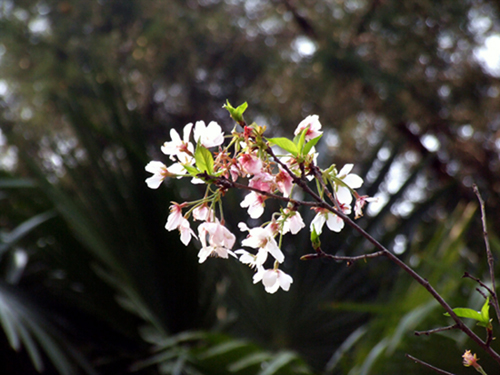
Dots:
pixel 322 254
pixel 436 330
pixel 393 258
pixel 438 370
pixel 468 275
pixel 489 254
pixel 481 293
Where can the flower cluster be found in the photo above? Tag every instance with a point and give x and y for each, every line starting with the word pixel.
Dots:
pixel 251 162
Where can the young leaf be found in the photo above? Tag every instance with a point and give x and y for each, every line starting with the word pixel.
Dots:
pixel 485 310
pixel 464 312
pixel 483 317
pixel 302 139
pixel 315 241
pixel 204 160
pixel 285 144
pixel 193 171
pixel 236 113
pixel 485 314
pixel 309 145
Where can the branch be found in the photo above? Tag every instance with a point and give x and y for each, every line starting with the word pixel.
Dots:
pixel 436 330
pixel 491 261
pixel 391 257
pixel 322 254
pixel 468 275
pixel 226 184
pixel 438 370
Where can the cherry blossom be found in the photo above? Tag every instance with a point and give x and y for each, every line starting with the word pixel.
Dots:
pixel 284 182
pixel 255 204
pixel 203 213
pixel 208 136
pixel 186 232
pixel 180 148
pixel 175 218
pixel 250 259
pixel 262 238
pixel 177 221
pixel 293 223
pixel 360 202
pixel 311 121
pixel 263 181
pixel 268 177
pixel 273 279
pixel 352 180
pixel 333 221
pixel 250 163
pixel 159 170
pixel 220 241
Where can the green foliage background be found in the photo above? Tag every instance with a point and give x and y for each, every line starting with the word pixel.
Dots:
pixel 89 90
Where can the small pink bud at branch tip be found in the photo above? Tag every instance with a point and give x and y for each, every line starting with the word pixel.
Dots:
pixel 471 360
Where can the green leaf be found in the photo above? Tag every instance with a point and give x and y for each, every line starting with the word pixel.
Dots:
pixel 309 145
pixel 485 314
pixel 302 139
pixel 483 317
pixel 204 160
pixel 464 312
pixel 285 144
pixel 485 310
pixel 193 171
pixel 236 113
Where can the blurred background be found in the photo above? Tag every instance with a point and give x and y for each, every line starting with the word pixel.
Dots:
pixel 92 283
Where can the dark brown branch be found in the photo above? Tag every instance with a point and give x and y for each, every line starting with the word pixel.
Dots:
pixel 468 275
pixel 461 325
pixel 319 177
pixel 433 368
pixel 482 293
pixel 436 330
pixel 489 254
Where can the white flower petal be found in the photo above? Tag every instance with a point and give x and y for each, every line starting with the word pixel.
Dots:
pixel 345 170
pixel 334 223
pixel 274 250
pixel 353 181
pixel 318 222
pixel 187 132
pixel 344 195
pixel 285 280
pixel 270 281
pixel 155 167
pixel 154 181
